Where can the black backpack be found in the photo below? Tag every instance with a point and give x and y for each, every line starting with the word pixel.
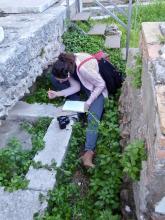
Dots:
pixel 112 77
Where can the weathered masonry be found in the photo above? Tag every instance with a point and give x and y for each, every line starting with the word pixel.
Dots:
pixel 31 42
pixel 144 117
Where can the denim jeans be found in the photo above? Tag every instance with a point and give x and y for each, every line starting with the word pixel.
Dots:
pixel 94 115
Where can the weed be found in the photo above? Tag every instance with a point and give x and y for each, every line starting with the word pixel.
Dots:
pixel 136 72
pixel 132 159
pixel 161 39
pixel 15 162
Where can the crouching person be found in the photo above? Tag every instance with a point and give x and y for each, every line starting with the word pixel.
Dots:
pixel 69 77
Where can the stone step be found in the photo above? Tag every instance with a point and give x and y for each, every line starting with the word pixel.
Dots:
pixel 23 204
pixel 32 112
pixel 26 6
pixel 41 179
pixel 55 144
pixel 112 41
pixel 82 16
pixel 97 29
pixel 12 129
pixel 29 47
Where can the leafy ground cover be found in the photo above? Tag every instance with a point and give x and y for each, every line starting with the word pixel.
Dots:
pixel 15 162
pixel 78 43
pixel 39 95
pixel 136 72
pixel 93 194
pixel 148 13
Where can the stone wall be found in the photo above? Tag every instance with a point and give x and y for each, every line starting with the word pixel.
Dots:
pixel 144 112
pixel 32 42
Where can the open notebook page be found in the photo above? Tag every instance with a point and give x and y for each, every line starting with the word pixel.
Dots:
pixel 74 106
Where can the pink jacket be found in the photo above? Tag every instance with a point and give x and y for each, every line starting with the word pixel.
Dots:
pixel 89 76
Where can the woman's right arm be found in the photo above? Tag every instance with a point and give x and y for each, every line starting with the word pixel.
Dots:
pixel 74 88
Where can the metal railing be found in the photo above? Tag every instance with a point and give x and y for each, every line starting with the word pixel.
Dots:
pixel 127 26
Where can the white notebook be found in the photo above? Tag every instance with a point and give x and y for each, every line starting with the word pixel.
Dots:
pixel 74 106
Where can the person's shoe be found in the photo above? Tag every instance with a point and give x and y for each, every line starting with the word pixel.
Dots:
pixel 87 159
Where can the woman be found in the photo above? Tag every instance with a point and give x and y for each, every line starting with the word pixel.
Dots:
pixel 69 77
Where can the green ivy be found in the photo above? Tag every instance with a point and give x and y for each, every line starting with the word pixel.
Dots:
pixel 15 162
pixel 101 198
pixel 39 95
pixel 132 159
pixel 66 200
pixel 76 42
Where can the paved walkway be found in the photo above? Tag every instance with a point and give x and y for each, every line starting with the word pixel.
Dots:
pixel 23 204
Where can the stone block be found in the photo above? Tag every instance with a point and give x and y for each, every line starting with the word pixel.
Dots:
pixel 112 41
pixel 150 39
pixel 151 32
pixel 56 143
pixel 24 52
pixel 21 204
pixel 23 110
pixel 82 16
pixel 26 6
pixel 40 179
pixel 160 96
pixel 98 29
pixel 2 36
pixel 12 129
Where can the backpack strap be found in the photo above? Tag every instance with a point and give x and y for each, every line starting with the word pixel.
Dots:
pixel 100 54
pixel 84 61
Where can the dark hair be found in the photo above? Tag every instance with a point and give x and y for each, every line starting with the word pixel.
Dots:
pixel 64 64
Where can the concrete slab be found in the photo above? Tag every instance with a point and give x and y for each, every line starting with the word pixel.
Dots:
pixel 26 6
pixel 56 143
pixel 41 179
pixel 82 16
pixel 112 41
pixel 23 110
pixel 98 29
pixel 12 129
pixel 32 112
pixel 1 34
pixel 21 204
